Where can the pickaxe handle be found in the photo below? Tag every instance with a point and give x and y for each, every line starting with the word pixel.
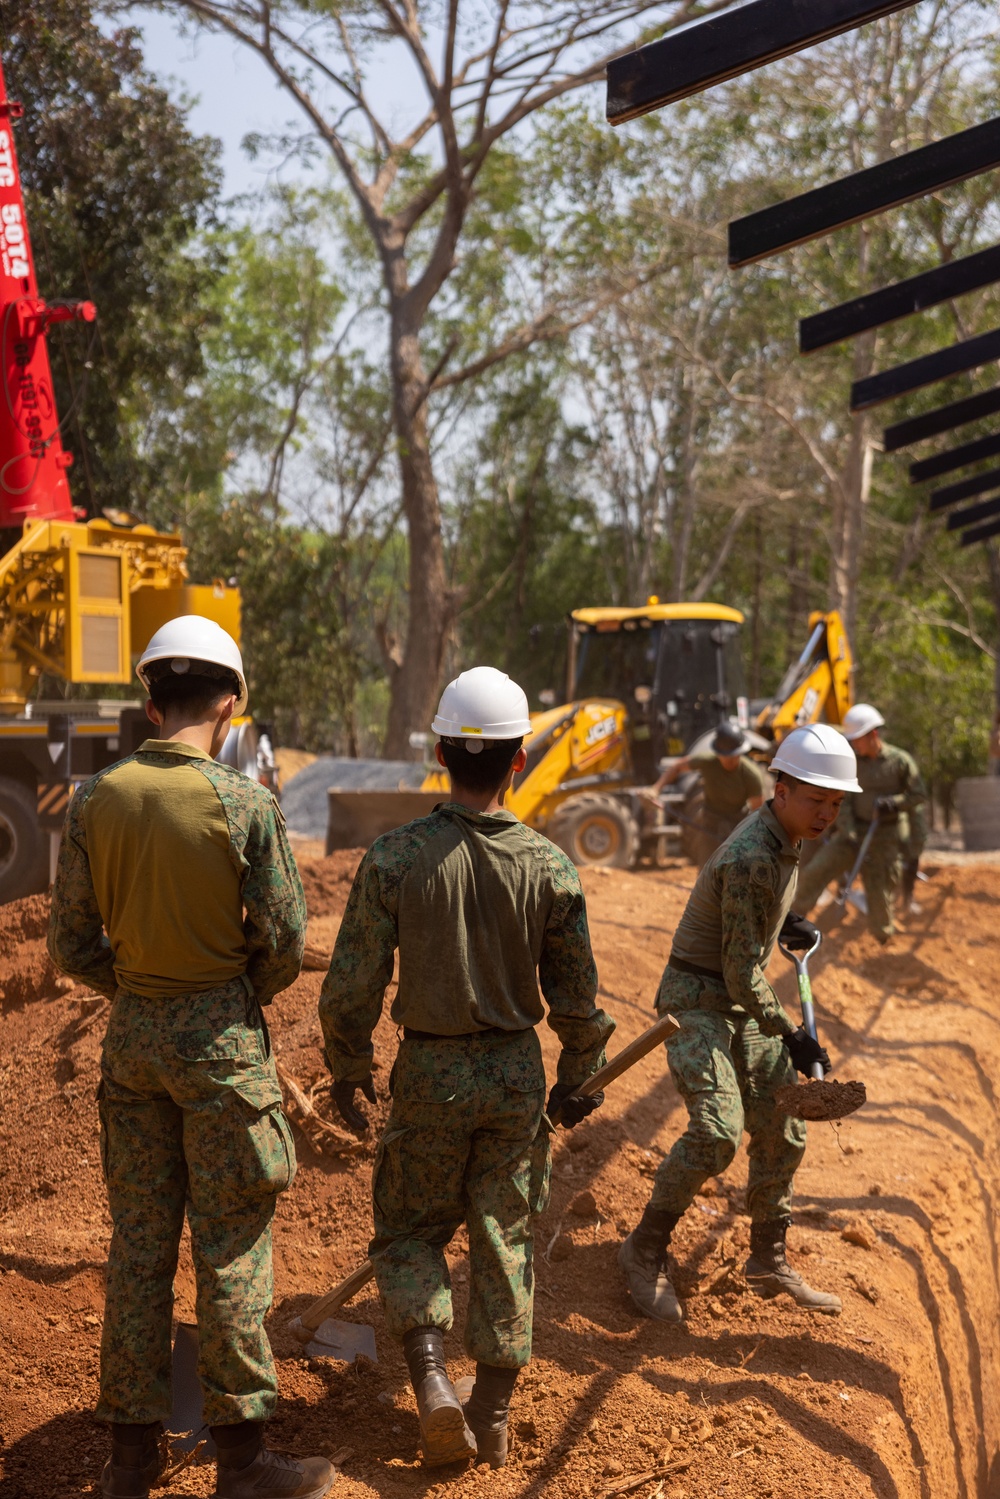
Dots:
pixel 304 1326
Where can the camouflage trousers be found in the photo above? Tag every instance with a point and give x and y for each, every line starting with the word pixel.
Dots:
pixel 727 1072
pixel 190 1112
pixel 466 1139
pixel 880 875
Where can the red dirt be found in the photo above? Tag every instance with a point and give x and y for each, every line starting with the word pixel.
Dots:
pixel 895 1209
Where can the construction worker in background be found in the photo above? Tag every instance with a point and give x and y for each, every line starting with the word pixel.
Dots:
pixel 185 865
pixel 483 911
pixel 892 791
pixel 736 1045
pixel 732 786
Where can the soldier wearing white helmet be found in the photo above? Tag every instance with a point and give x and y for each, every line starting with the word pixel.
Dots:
pixel 892 791
pixel 185 865
pixel 737 1045
pixel 484 912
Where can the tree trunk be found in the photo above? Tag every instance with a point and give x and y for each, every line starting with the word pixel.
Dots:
pixel 416 680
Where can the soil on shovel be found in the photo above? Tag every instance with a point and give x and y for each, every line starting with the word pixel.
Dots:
pixel 821 1100
pixel 895 1210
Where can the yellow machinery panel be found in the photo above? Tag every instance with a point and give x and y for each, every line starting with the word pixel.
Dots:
pixel 96 638
pixel 152 607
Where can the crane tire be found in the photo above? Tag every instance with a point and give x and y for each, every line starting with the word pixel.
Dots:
pixel 595 829
pixel 24 847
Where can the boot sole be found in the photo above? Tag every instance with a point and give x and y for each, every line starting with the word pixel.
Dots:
pixel 317 1493
pixel 446 1438
pixel 673 1320
pixel 768 1290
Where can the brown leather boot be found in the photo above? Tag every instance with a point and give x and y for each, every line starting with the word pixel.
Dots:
pixel 249 1470
pixel 134 1465
pixel 485 1401
pixel 643 1257
pixel 444 1436
pixel 768 1272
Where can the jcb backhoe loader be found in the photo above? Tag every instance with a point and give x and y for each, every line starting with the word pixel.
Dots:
pixel 642 684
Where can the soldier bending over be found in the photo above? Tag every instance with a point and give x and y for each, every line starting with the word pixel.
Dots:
pixel 736 1045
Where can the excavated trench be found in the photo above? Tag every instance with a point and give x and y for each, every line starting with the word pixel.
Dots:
pixel 896 1209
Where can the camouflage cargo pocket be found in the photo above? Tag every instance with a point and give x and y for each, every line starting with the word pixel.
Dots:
pixel 264 1161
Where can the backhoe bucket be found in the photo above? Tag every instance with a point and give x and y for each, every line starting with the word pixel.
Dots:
pixel 356 818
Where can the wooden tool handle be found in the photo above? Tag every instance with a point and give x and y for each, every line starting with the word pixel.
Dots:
pixel 626 1058
pixel 303 1327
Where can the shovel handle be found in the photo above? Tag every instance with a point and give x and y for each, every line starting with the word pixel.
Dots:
pixel 806 999
pixel 304 1326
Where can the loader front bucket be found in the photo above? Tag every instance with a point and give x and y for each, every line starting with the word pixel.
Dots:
pixel 356 818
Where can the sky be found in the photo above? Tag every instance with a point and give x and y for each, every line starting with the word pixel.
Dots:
pixel 236 93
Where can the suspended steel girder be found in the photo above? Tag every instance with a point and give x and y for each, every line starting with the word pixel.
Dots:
pixel 958 519
pixel 941 419
pixel 952 458
pixel 953 360
pixel 862 194
pixel 697 58
pixel 980 533
pixel 965 489
pixel 902 300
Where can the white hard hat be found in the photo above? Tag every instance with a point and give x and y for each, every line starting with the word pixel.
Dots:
pixel 860 720
pixel 191 639
pixel 819 755
pixel 482 704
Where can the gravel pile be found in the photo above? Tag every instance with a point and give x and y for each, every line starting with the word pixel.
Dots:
pixel 303 799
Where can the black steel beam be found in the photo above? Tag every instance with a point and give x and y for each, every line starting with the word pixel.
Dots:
pixel 980 533
pixel 952 458
pixel 959 519
pixel 849 199
pixel 902 300
pixel 952 360
pixel 699 57
pixel 941 419
pixel 965 489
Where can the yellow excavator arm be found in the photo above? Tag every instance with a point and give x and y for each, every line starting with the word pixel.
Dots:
pixel 819 685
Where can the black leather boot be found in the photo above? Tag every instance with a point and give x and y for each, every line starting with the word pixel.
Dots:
pixel 134 1465
pixel 643 1257
pixel 444 1436
pixel 768 1272
pixel 248 1470
pixel 485 1401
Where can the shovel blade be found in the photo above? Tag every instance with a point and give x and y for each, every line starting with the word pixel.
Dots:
pixel 342 1341
pixel 187 1416
pixel 820 1100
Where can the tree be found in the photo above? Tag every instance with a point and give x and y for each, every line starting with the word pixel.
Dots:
pixel 413 189
pixel 118 190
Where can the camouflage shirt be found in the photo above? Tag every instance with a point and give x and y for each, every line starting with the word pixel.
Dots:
pixel 484 911
pixel 733 917
pixel 175 876
pixel 892 772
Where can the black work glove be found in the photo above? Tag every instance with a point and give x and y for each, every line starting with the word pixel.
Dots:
pixel 574 1110
pixel 886 808
pixel 343 1097
pixel 804 1052
pixel 797 934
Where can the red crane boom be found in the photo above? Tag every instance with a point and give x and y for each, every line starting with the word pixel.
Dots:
pixel 33 461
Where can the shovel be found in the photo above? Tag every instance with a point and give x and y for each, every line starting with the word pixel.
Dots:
pixel 840 904
pixel 312 1323
pixel 816 1099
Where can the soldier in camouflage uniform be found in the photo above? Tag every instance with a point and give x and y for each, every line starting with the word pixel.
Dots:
pixel 737 1045
pixel 185 865
pixel 482 910
pixel 891 786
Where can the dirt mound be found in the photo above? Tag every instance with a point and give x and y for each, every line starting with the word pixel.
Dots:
pixel 327 882
pixel 26 971
pixel 895 1210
